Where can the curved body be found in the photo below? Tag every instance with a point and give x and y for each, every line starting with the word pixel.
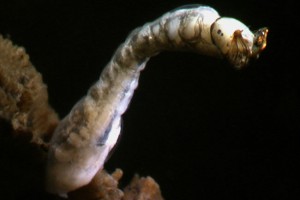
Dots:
pixel 84 138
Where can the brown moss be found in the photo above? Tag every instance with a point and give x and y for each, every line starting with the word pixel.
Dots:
pixel 105 187
pixel 143 188
pixel 23 95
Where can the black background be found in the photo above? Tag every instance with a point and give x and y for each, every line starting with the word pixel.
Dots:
pixel 200 128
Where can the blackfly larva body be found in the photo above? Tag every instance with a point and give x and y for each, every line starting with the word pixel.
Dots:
pixel 84 138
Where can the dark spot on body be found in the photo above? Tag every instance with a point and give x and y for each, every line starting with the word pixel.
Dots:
pixel 103 138
pixel 220 32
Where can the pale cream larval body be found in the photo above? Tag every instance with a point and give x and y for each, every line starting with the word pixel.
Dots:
pixel 84 138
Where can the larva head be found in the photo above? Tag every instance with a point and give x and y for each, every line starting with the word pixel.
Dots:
pixel 236 42
pixel 260 42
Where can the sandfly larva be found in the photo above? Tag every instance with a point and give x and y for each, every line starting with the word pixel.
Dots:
pixel 84 138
